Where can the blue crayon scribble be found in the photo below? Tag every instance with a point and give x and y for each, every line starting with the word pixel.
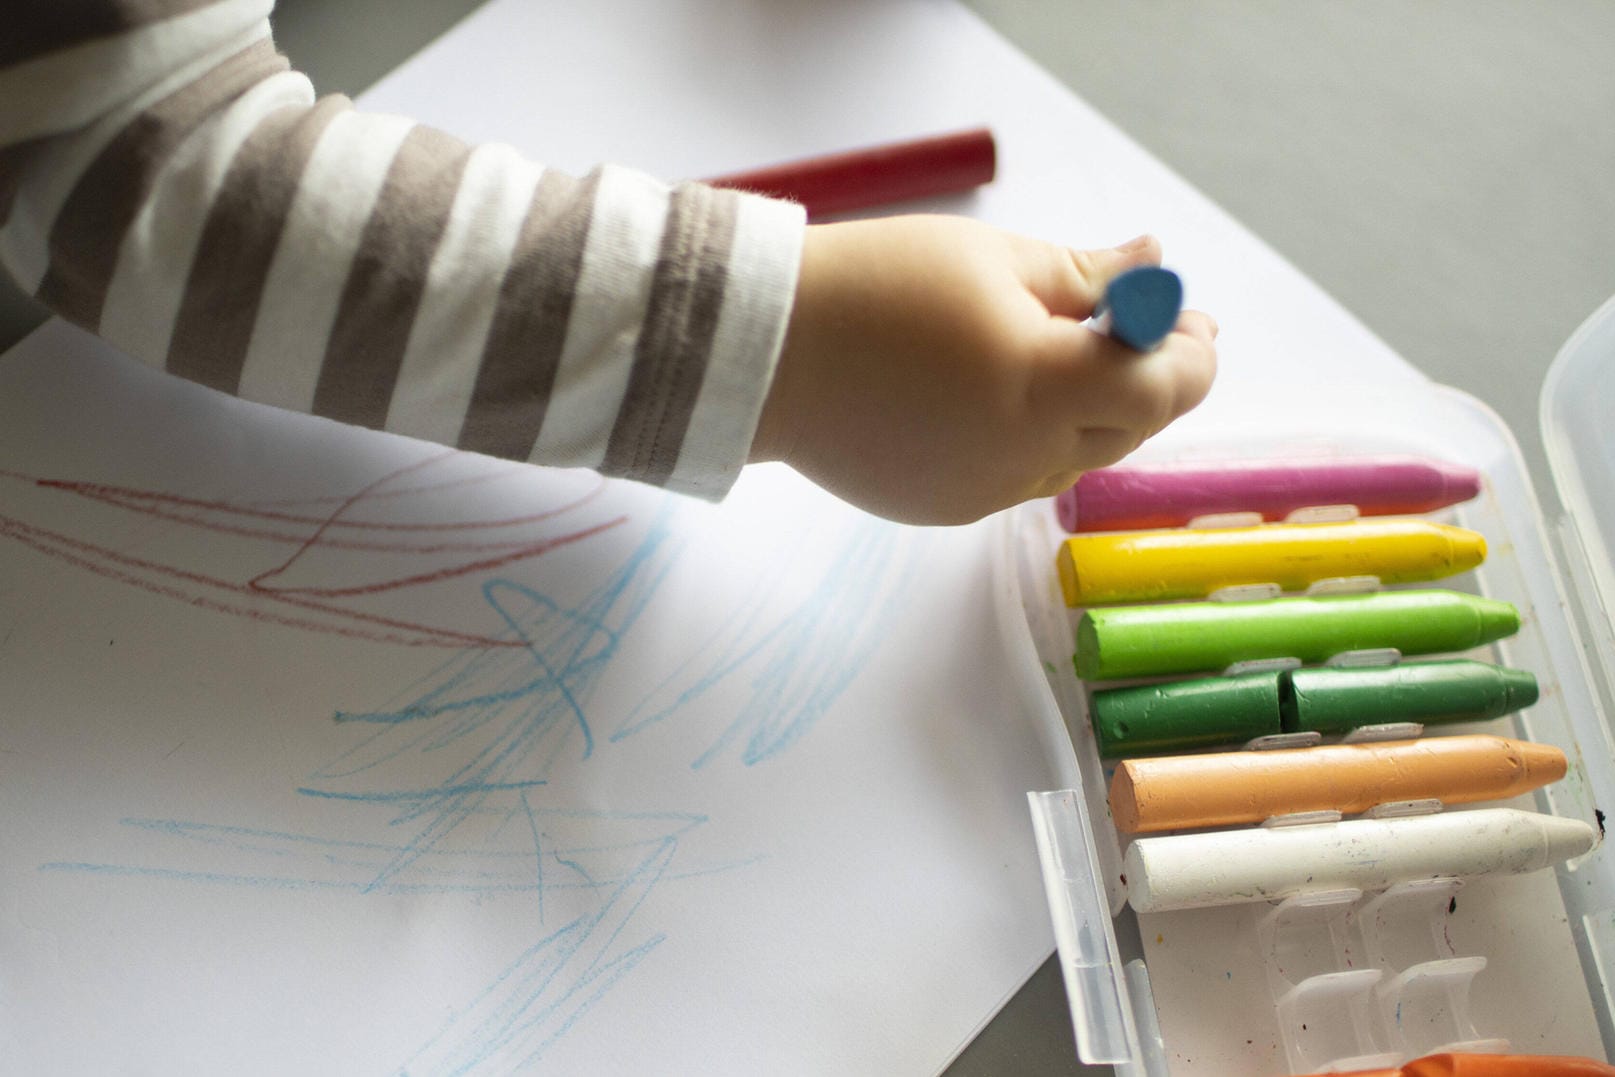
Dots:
pixel 314 863
pixel 508 736
pixel 799 661
pixel 542 994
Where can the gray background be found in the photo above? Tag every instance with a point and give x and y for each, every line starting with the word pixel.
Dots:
pixel 1444 168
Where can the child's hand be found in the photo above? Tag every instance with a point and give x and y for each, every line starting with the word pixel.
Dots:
pixel 936 369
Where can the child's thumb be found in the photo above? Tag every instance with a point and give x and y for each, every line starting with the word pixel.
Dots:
pixel 1071 282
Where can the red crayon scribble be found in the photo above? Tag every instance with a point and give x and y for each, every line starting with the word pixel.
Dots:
pixel 257 597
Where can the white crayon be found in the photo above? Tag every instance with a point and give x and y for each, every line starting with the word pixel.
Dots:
pixel 1191 871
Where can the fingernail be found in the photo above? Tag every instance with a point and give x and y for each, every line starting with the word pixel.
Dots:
pixel 1134 245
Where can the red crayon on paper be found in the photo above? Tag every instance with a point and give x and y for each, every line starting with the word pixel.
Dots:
pixel 1133 498
pixel 877 175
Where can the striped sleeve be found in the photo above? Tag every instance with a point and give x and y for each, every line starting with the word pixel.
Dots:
pixel 168 182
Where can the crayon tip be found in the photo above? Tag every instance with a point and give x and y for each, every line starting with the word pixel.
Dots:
pixel 1142 305
pixel 1468 548
pixel 1543 762
pixel 1496 619
pixel 1563 838
pixel 1519 688
pixel 1461 483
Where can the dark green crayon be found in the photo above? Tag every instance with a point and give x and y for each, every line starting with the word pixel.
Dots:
pixel 1195 637
pixel 1431 693
pixel 1175 717
pixel 1211 711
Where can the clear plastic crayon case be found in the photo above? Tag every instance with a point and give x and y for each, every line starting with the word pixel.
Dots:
pixel 1336 980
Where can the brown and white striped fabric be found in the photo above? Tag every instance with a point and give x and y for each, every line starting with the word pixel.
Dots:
pixel 167 181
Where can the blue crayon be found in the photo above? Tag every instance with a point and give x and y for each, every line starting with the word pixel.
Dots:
pixel 1140 307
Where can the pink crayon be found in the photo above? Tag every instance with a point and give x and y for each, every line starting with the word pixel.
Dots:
pixel 1138 497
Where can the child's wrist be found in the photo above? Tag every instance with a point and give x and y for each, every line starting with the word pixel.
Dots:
pixel 779 425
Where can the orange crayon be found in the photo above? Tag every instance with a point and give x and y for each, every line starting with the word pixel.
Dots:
pixel 1229 788
pixel 1466 1065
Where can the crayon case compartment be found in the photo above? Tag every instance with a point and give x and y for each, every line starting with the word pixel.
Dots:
pixel 1516 959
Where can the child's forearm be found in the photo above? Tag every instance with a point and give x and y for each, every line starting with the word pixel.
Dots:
pixel 167 182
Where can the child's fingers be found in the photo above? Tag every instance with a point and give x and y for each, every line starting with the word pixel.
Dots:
pixel 1091 381
pixel 1101 446
pixel 1197 323
pixel 1186 375
pixel 1197 361
pixel 1070 282
pixel 1057 483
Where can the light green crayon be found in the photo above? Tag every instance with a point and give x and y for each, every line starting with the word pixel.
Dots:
pixel 1205 637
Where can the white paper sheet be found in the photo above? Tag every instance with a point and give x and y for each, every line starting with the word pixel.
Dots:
pixel 330 752
pixel 326 752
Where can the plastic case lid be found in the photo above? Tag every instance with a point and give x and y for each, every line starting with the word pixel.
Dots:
pixel 1578 405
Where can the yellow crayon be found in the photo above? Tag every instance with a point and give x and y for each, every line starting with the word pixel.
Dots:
pixel 1146 566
